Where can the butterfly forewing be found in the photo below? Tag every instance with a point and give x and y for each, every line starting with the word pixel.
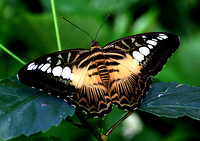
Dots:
pixel 92 80
pixel 53 73
pixel 151 50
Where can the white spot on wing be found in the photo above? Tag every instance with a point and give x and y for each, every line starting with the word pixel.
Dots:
pixel 155 40
pixel 159 38
pixel 35 67
pixel 84 112
pixel 17 76
pixel 57 71
pixel 49 70
pixel 68 57
pixel 31 66
pixel 59 62
pixel 154 43
pixel 60 56
pixel 45 67
pixel 71 76
pixel 136 61
pixel 66 73
pixel 124 43
pixel 104 114
pixel 150 46
pixel 144 50
pixel 40 66
pixel 137 45
pixel 132 40
pixel 138 56
pixel 49 58
pixel 73 105
pixel 164 36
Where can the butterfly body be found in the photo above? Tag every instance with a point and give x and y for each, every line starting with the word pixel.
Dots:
pixel 92 80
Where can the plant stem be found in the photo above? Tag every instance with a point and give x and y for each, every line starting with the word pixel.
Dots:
pixel 87 126
pixel 12 55
pixel 79 125
pixel 56 25
pixel 118 122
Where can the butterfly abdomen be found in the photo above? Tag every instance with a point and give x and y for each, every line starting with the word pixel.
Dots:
pixel 103 72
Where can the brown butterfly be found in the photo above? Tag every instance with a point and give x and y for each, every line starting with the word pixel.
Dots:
pixel 93 80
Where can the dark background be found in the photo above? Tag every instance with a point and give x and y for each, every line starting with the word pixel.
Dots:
pixel 27 29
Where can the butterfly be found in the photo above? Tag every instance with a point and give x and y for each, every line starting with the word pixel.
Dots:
pixel 94 80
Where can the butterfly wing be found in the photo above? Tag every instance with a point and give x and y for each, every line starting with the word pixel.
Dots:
pixel 52 73
pixel 137 58
pixel 75 75
pixel 65 74
pixel 92 97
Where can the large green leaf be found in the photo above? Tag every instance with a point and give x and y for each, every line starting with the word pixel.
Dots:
pixel 173 100
pixel 24 110
pixel 48 139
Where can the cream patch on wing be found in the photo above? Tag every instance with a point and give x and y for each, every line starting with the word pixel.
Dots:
pixel 85 77
pixel 127 65
pixel 125 69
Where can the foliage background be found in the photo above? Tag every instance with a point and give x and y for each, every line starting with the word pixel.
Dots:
pixel 26 28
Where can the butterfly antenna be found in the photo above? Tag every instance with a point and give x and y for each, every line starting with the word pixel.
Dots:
pixel 100 27
pixel 77 27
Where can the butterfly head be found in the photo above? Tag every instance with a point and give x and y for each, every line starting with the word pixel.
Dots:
pixel 94 45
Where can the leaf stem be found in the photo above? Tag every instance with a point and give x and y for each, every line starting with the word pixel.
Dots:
pixel 88 127
pixel 79 125
pixel 56 25
pixel 12 55
pixel 99 136
pixel 118 122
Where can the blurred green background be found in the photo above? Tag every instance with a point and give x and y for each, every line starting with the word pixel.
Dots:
pixel 27 29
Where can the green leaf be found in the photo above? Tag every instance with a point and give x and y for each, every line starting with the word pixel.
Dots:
pixel 49 139
pixel 173 100
pixel 24 110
